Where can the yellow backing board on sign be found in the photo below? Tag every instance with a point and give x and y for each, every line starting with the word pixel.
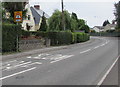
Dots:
pixel 18 16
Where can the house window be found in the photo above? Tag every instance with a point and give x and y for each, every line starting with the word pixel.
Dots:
pixel 28 17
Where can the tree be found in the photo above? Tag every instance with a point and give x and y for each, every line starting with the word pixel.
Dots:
pixel 85 28
pixel 74 16
pixel 81 23
pixel 117 14
pixel 106 22
pixel 74 25
pixel 44 25
pixel 55 21
pixel 14 6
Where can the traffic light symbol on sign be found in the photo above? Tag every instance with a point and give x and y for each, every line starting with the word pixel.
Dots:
pixel 18 16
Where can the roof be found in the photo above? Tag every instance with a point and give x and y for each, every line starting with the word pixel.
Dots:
pixel 37 14
pixel 99 27
pixel 111 25
pixel 41 12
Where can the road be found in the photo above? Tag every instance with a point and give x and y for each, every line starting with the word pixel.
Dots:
pixel 79 64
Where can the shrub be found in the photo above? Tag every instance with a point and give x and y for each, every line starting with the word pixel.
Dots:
pixel 9 37
pixel 81 37
pixel 60 38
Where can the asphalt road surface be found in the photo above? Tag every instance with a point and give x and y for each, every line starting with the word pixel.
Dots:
pixel 79 64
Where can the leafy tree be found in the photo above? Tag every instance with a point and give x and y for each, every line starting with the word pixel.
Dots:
pixel 74 25
pixel 106 22
pixel 85 28
pixel 67 20
pixel 15 6
pixel 117 13
pixel 43 26
pixel 74 16
pixel 55 21
pixel 81 23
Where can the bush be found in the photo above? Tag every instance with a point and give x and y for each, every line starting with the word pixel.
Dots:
pixel 80 37
pixel 60 38
pixel 9 37
pixel 25 33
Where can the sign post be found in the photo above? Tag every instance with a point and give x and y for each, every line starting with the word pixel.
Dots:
pixel 17 19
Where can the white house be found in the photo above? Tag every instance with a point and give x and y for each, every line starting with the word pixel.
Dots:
pixel 109 27
pixel 34 18
pixel 98 28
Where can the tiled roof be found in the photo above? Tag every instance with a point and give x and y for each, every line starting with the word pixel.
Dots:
pixel 37 14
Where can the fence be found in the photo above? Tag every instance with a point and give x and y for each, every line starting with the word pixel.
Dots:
pixel 114 34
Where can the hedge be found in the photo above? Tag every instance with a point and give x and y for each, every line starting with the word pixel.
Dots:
pixel 80 37
pixel 60 38
pixel 9 37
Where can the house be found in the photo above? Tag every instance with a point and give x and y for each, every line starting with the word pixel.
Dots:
pixel 109 27
pixel 98 28
pixel 34 18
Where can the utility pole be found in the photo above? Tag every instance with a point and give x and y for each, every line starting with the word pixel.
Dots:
pixel 63 19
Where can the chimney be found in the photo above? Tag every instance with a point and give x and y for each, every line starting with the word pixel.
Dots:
pixel 37 7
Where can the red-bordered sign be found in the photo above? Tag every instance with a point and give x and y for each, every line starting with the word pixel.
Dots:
pixel 18 16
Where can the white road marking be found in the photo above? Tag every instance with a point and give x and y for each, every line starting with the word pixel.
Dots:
pixel 29 57
pixel 96 47
pixel 103 78
pixel 61 58
pixel 9 61
pixel 12 67
pixel 85 51
pixel 18 73
pixel 102 45
pixel 8 64
pixel 22 61
pixel 35 57
pixel 43 58
pixel 31 64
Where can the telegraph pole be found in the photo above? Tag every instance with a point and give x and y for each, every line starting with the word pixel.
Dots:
pixel 63 19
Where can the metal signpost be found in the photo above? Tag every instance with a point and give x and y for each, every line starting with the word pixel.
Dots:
pixel 17 19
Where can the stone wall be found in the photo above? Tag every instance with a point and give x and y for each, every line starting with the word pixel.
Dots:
pixel 32 44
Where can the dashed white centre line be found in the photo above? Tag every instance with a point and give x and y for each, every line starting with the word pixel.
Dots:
pixel 62 58
pixel 85 51
pixel 96 47
pixel 18 73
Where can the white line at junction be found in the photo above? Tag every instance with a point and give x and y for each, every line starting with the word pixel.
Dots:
pixel 17 73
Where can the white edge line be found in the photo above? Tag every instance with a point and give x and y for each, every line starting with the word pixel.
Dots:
pixel 17 73
pixel 62 58
pixel 103 78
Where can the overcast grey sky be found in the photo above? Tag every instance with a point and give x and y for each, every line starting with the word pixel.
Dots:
pixel 95 12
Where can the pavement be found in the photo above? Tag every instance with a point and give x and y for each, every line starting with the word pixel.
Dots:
pixel 81 64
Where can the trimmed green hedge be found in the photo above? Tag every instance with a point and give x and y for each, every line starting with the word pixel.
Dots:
pixel 9 37
pixel 60 38
pixel 80 37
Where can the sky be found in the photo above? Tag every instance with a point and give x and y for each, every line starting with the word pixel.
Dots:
pixel 94 12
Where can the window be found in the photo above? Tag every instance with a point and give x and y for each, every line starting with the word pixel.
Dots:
pixel 28 17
